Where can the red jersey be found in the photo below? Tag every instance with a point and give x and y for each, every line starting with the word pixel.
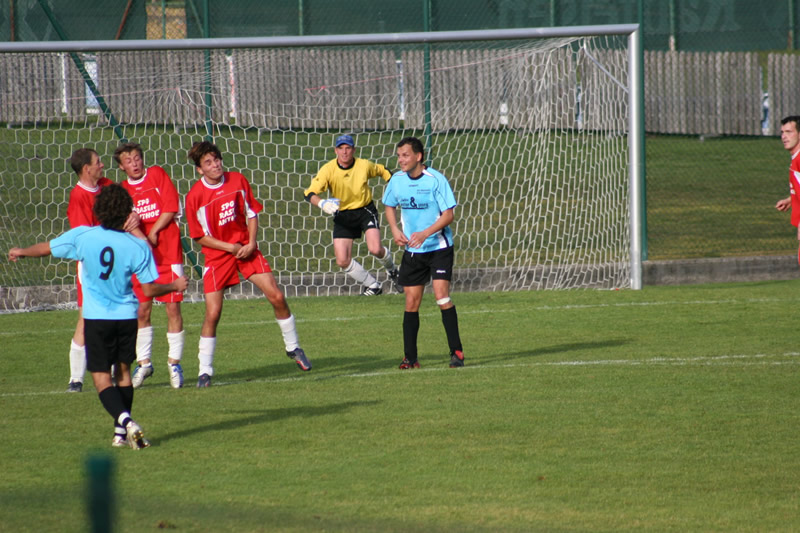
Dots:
pixel 80 210
pixel 221 211
pixel 794 187
pixel 154 194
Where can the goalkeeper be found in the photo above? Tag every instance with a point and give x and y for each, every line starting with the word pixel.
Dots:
pixel 353 211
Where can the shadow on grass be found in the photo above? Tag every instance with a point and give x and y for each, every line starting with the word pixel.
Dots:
pixel 552 350
pixel 332 366
pixel 266 416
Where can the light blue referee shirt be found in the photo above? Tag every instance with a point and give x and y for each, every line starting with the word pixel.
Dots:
pixel 109 258
pixel 421 201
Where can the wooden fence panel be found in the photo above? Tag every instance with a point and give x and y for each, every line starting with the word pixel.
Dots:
pixel 703 93
pixel 783 80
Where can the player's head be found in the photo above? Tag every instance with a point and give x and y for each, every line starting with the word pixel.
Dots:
pixel 415 145
pixel 130 158
pixel 345 150
pixel 83 157
pixel 112 206
pixel 201 149
pixel 410 154
pixel 790 132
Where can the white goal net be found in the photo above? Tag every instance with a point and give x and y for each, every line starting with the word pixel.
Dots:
pixel 533 135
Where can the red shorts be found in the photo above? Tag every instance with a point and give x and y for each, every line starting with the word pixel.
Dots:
pixel 166 274
pixel 78 285
pixel 224 272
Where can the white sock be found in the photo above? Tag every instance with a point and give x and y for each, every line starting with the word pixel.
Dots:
pixel 123 419
pixel 358 273
pixel 77 362
pixel 175 342
pixel 205 354
pixel 144 343
pixel 388 264
pixel 289 332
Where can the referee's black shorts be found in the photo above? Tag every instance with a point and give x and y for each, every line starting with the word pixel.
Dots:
pixel 109 342
pixel 352 223
pixel 418 269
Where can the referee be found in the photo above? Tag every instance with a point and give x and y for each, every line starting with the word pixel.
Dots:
pixel 354 213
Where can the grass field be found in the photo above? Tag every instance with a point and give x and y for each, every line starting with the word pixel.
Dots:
pixel 666 409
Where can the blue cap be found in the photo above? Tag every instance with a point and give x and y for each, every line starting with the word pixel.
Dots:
pixel 344 139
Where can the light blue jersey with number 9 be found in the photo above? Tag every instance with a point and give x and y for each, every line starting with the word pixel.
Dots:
pixel 108 259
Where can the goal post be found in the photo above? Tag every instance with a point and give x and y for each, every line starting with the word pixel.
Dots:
pixel 538 130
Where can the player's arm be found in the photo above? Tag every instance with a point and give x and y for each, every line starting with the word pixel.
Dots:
pixel 397 234
pixel 444 220
pixel 162 222
pixel 211 242
pixel 319 185
pixel 784 204
pixel 40 249
pixel 252 230
pixel 152 290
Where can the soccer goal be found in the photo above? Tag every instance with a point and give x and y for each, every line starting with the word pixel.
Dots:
pixel 537 130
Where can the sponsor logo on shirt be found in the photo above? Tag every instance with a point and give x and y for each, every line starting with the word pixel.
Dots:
pixel 146 210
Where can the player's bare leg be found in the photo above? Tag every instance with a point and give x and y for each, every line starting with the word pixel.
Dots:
pixel 343 248
pixel 144 344
pixel 175 340
pixel 266 282
pixel 373 238
pixel 208 337
pixel 77 356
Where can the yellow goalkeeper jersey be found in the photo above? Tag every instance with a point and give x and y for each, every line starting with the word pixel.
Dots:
pixel 348 185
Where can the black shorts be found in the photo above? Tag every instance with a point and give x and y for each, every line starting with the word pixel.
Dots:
pixel 109 342
pixel 352 223
pixel 418 269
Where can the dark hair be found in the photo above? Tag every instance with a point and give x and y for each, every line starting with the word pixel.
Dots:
pixel 127 148
pixel 200 149
pixel 112 206
pixel 792 118
pixel 80 158
pixel 414 143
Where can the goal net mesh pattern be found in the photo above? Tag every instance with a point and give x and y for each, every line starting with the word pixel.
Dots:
pixel 532 135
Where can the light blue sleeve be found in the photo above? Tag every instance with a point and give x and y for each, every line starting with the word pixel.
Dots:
pixel 65 247
pixel 145 269
pixel 444 194
pixel 389 198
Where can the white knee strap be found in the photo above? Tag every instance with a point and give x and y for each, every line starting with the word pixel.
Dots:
pixel 442 301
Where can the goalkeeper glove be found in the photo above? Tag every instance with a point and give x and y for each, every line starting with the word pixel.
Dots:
pixel 329 206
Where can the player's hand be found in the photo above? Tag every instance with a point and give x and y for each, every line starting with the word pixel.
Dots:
pixel 181 284
pixel 416 239
pixel 132 222
pixel 14 254
pixel 784 204
pixel 245 251
pixel 153 239
pixel 399 237
pixel 329 206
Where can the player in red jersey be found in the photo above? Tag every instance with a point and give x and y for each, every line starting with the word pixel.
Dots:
pixel 87 165
pixel 223 218
pixel 790 137
pixel 155 200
